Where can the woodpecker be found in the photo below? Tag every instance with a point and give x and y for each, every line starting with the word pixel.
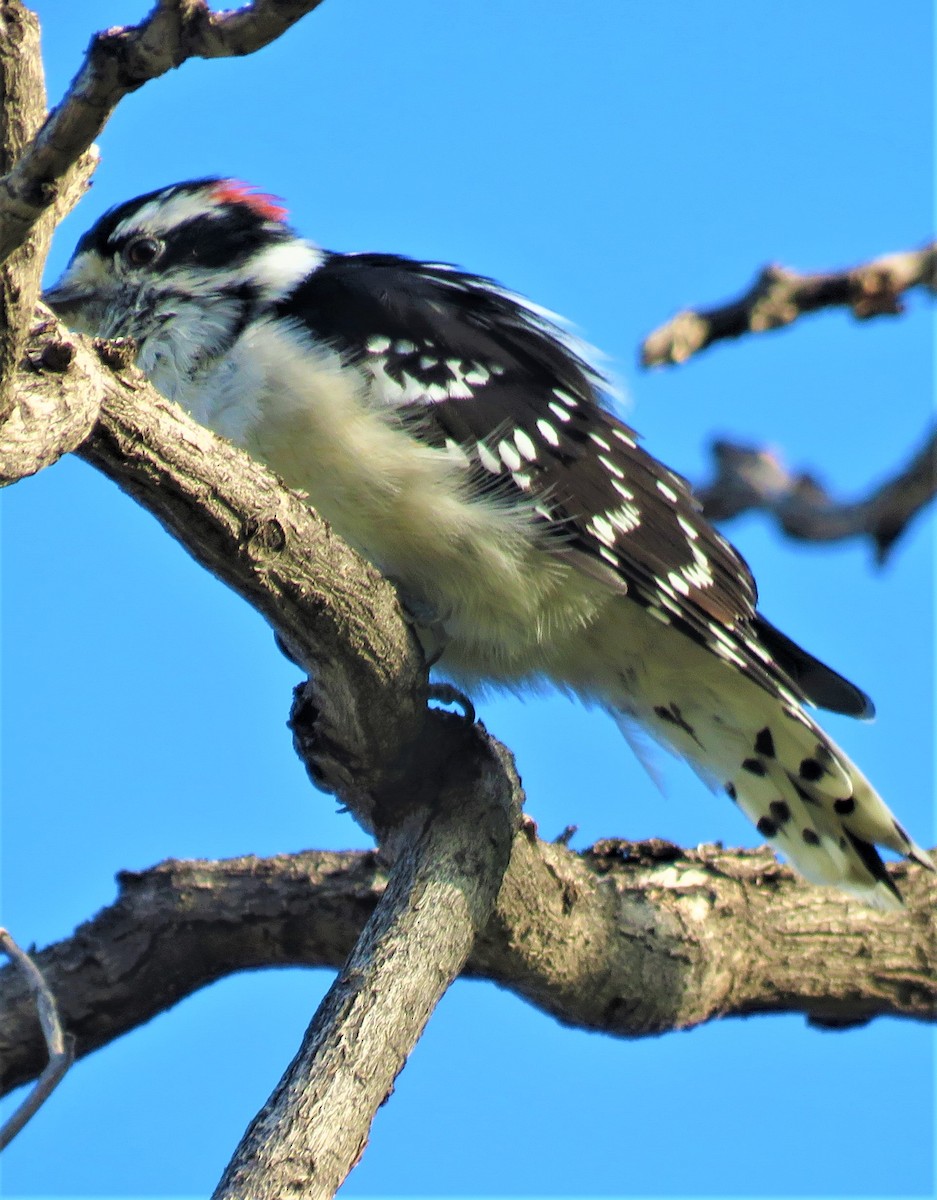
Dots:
pixel 463 441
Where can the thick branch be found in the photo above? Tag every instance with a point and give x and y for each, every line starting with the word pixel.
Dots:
pixel 22 108
pixel 57 402
pixel 361 718
pixel 779 296
pixel 627 939
pixel 440 894
pixel 751 478
pixel 119 61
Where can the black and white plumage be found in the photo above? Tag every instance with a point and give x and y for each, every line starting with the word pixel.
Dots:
pixel 460 439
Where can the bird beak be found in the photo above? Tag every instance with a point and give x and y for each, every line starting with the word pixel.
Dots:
pixel 66 300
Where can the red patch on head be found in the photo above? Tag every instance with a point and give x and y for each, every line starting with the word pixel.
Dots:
pixel 232 191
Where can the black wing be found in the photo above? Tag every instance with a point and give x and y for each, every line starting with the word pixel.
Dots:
pixel 472 365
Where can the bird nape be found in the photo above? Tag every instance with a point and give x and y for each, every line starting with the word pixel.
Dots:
pixel 462 441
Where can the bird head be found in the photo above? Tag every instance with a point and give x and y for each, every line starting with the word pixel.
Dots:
pixel 179 270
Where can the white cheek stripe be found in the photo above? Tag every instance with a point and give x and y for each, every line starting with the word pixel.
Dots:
pixel 282 266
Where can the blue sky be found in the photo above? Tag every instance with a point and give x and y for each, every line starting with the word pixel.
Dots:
pixel 615 161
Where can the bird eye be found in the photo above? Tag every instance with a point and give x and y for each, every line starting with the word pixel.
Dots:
pixel 142 251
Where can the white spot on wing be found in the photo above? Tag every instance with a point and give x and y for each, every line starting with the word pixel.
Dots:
pixel 547 432
pixel 456 452
pixel 487 458
pixel 525 445
pixel 509 456
pixel 603 529
pixel 626 517
pixel 666 491
pixel 611 467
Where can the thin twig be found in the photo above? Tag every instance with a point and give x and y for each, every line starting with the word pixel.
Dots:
pixel 779 296
pixel 58 1046
pixel 119 61
pixel 751 477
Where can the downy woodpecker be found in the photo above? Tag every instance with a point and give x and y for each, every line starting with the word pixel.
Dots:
pixel 461 440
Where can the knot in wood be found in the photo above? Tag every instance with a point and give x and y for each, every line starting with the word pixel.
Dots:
pixel 57 356
pixel 264 535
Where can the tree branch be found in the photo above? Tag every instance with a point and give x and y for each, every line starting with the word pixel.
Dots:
pixel 57 401
pixel 779 296
pixel 626 939
pixel 119 61
pixel 58 1047
pixel 361 720
pixel 22 107
pixel 440 894
pixel 749 477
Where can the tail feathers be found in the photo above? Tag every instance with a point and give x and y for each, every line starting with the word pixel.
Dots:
pixel 798 788
pixel 804 827
pixel 819 810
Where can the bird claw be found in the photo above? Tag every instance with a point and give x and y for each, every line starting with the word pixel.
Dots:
pixel 448 693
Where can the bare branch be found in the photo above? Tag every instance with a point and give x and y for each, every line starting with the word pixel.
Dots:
pixel 58 1047
pixel 362 720
pixel 119 61
pixel 626 939
pixel 22 107
pixel 439 896
pixel 779 296
pixel 748 477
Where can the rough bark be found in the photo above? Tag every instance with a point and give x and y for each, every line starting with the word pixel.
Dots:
pixel 22 108
pixel 439 896
pixel 625 939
